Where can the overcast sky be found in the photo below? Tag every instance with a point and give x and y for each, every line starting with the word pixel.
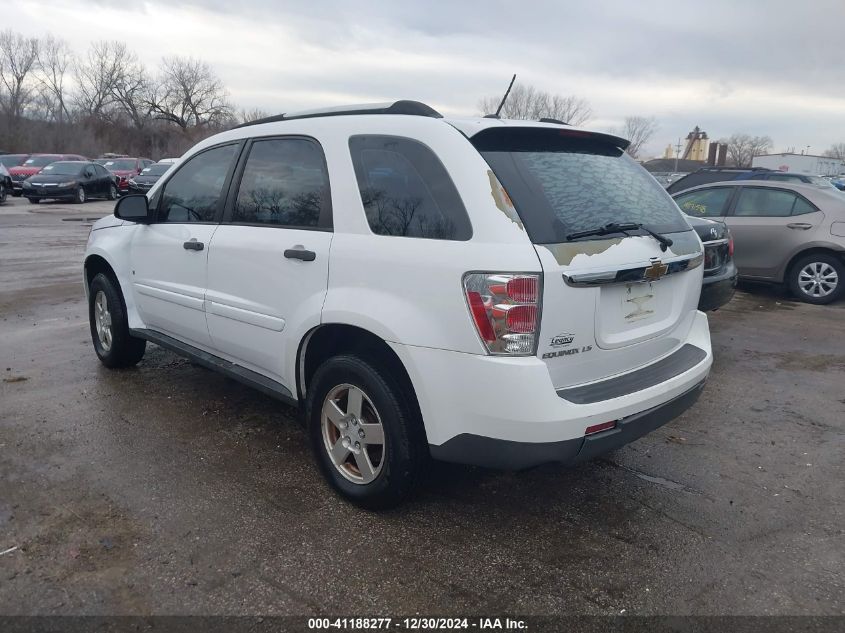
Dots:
pixel 758 66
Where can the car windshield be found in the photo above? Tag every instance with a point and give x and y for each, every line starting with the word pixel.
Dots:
pixel 120 164
pixel 62 169
pixel 562 184
pixel 12 160
pixel 40 161
pixel 155 170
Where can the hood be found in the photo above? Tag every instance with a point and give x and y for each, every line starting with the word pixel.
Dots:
pixel 107 222
pixel 123 173
pixel 147 180
pixel 24 171
pixel 50 177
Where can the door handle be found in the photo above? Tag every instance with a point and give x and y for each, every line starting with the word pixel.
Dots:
pixel 193 245
pixel 301 253
pixel 799 225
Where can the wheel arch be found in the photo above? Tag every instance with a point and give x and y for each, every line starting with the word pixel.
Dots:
pixel 786 272
pixel 331 339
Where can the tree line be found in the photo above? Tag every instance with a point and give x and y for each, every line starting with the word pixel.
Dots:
pixel 53 100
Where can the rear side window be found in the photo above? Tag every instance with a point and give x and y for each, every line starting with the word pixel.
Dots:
pixel 284 183
pixel 562 184
pixel 406 190
pixel 706 203
pixel 194 193
pixel 765 202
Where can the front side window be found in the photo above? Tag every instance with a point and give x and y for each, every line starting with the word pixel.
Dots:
pixel 765 202
pixel 704 203
pixel 284 183
pixel 195 192
pixel 406 190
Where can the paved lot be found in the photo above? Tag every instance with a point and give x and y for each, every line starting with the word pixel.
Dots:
pixel 169 489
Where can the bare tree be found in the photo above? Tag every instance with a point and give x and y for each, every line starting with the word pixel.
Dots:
pixel 132 90
pixel 837 150
pixel 18 60
pixel 190 95
pixel 742 148
pixel 526 102
pixel 248 116
pixel 97 75
pixel 54 60
pixel 638 130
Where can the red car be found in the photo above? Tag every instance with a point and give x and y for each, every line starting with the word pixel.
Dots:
pixel 34 164
pixel 124 169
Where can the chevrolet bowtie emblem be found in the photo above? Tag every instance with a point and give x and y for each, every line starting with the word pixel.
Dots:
pixel 655 271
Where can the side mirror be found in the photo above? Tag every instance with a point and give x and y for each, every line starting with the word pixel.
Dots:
pixel 133 208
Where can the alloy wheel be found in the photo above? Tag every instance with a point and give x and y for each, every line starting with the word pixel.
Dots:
pixel 818 279
pixel 353 434
pixel 102 320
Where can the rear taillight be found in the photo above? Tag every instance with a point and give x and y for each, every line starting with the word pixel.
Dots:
pixel 730 245
pixel 598 428
pixel 505 309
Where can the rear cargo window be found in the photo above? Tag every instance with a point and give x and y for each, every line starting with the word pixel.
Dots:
pixel 406 191
pixel 562 184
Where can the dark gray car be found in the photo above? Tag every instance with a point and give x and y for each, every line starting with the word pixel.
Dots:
pixel 783 232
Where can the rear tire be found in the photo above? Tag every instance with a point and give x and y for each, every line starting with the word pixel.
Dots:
pixel 34 200
pixel 387 448
pixel 114 345
pixel 817 278
pixel 112 195
pixel 3 193
pixel 79 196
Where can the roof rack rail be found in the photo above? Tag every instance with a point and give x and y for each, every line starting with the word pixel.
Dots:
pixel 413 108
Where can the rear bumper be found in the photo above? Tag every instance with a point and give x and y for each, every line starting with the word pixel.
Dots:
pixel 477 408
pixel 509 455
pixel 717 290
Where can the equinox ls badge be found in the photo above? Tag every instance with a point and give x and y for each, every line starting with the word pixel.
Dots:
pixel 655 271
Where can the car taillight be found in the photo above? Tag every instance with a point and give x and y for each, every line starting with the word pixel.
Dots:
pixel 598 428
pixel 505 309
pixel 730 245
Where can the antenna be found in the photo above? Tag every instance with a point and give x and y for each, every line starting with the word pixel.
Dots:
pixel 507 92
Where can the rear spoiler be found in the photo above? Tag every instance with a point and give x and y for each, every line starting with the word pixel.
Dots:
pixel 529 137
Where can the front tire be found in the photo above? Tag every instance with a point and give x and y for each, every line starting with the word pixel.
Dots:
pixel 3 193
pixel 79 196
pixel 34 200
pixel 817 278
pixel 366 436
pixel 114 345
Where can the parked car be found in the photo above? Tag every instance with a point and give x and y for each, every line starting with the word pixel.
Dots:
pixel 149 176
pixel 720 273
pixel 73 180
pixel 838 182
pixel 126 168
pixel 5 183
pixel 502 293
pixel 34 164
pixel 785 233
pixel 707 175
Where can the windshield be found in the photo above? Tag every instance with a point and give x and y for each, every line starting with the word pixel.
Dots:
pixel 562 184
pixel 155 170
pixel 40 161
pixel 120 165
pixel 62 169
pixel 12 160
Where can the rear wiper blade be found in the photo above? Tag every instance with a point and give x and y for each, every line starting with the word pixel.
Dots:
pixel 616 227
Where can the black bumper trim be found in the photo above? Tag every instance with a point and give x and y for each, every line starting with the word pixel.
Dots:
pixel 509 455
pixel 683 359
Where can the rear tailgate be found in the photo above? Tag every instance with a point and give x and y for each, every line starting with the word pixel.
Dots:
pixel 611 303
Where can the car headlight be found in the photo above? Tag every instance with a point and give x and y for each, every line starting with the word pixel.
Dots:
pixel 69 183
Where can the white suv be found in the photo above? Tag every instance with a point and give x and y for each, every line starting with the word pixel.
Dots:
pixel 501 293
